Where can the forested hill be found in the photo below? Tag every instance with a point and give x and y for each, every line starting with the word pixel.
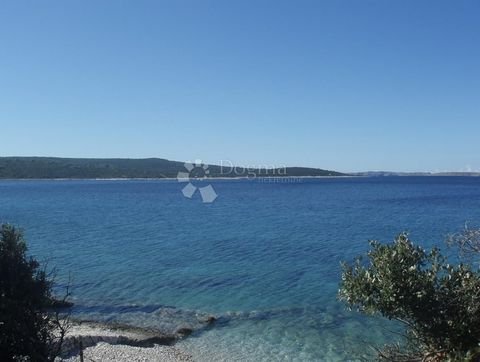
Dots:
pixel 91 168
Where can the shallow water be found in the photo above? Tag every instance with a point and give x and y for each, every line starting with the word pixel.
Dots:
pixel 264 257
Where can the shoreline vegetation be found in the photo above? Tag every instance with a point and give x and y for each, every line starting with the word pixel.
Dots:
pixel 435 296
pixel 112 169
pixel 36 324
pixel 148 168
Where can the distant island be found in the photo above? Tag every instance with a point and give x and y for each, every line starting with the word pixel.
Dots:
pixel 149 168
pixel 154 168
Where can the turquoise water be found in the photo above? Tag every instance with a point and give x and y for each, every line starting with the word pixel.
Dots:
pixel 264 257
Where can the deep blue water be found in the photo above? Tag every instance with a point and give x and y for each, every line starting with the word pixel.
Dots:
pixel 265 257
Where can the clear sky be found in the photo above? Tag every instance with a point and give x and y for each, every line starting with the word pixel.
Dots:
pixel 345 85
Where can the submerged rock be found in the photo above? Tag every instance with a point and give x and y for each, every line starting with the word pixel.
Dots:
pixel 184 331
pixel 209 320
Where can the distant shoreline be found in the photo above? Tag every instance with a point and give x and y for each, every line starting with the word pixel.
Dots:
pixel 55 168
pixel 235 178
pixel 176 179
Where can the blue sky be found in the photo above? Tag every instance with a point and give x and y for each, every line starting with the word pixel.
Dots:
pixel 345 85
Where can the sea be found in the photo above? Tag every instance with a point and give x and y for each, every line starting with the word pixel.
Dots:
pixel 264 257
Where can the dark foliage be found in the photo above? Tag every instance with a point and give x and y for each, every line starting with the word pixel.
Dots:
pixel 439 303
pixel 85 168
pixel 29 328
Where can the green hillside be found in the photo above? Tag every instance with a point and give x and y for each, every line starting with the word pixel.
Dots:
pixel 85 168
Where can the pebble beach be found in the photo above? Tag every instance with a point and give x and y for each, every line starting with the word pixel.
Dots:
pixel 102 342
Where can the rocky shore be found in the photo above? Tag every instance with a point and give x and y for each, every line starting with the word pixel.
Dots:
pixel 115 342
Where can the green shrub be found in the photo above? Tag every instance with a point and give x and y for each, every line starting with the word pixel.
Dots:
pixel 28 328
pixel 438 303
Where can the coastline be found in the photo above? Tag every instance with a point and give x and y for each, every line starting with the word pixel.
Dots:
pixel 176 179
pixel 238 178
pixel 119 342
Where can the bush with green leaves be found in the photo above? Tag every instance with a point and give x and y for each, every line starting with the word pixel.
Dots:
pixel 438 303
pixel 30 329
